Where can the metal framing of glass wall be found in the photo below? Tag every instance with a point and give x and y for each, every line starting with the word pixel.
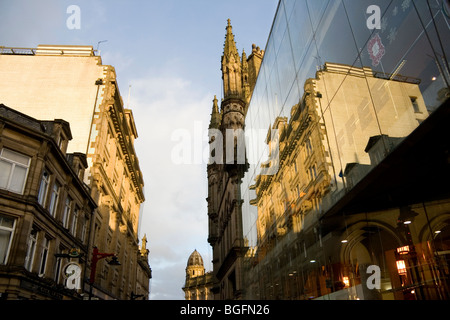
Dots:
pixel 344 89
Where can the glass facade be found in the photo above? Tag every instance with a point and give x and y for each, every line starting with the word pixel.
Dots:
pixel 345 85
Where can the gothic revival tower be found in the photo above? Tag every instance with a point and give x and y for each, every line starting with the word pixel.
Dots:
pixel 227 166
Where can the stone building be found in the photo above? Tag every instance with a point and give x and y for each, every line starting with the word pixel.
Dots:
pixel 45 210
pixel 70 82
pixel 198 284
pixel 226 167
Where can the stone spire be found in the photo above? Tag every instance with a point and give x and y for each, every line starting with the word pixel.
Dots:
pixel 230 49
pixel 215 115
pixel 231 66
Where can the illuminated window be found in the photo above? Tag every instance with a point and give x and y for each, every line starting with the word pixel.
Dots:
pixel 401 267
pixel 346 281
pixel 403 250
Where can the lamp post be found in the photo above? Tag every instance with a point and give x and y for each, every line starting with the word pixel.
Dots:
pixel 95 257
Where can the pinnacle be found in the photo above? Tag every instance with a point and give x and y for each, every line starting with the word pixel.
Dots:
pixel 230 44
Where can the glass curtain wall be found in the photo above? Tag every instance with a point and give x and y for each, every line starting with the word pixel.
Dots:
pixel 342 84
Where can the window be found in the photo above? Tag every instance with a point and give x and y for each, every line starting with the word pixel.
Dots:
pixel 57 270
pixel 308 147
pixel 73 228
pixel 13 170
pixel 58 265
pixel 31 249
pixel 6 235
pixel 415 104
pixel 66 213
pixel 84 229
pixel 54 199
pixel 312 172
pixel 43 188
pixel 44 256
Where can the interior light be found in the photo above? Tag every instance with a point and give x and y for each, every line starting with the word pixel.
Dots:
pixel 344 241
pixel 401 267
pixel 403 250
pixel 407 222
pixel 312 261
pixel 346 281
pixel 433 79
pixel 437 231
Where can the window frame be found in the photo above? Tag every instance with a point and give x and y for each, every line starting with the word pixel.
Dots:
pixel 54 201
pixel 43 193
pixel 14 164
pixel 44 256
pixel 68 207
pixel 11 236
pixel 31 250
pixel 74 220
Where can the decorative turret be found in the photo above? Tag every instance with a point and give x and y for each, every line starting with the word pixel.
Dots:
pixel 231 66
pixel 234 72
pixel 215 115
pixel 195 265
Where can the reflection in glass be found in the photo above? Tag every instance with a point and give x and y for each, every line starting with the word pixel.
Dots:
pixel 343 98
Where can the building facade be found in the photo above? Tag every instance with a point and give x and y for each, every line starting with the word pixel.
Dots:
pixel 226 167
pixel 70 82
pixel 45 210
pixel 341 195
pixel 198 284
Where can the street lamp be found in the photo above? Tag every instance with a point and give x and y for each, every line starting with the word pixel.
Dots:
pixel 95 257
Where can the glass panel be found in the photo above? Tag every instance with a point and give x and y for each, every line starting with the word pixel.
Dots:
pixel 316 9
pixel 16 157
pixel 4 244
pixel 286 73
pixel 300 31
pixel 334 39
pixel 5 172
pixel 6 222
pixel 18 179
pixel 367 75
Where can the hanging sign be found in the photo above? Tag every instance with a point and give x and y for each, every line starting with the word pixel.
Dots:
pixel 72 272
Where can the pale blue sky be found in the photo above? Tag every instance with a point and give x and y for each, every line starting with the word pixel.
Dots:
pixel 169 52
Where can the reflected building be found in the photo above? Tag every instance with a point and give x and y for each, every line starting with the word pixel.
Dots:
pixel 355 208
